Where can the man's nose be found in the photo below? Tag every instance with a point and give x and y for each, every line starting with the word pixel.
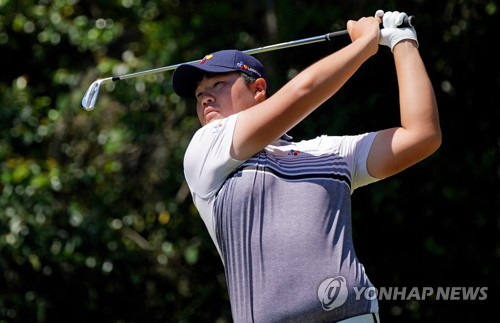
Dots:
pixel 207 99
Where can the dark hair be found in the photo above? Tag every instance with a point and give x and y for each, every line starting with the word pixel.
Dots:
pixel 250 79
pixel 246 78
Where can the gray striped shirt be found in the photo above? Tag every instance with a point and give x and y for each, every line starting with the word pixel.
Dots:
pixel 282 224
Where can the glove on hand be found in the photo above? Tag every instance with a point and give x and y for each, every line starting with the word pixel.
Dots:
pixel 390 35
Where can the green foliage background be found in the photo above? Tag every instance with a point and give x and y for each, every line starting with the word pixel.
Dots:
pixel 96 222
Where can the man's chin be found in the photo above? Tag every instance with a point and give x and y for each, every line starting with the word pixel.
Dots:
pixel 211 117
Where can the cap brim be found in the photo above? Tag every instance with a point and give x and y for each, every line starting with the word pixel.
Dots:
pixel 186 77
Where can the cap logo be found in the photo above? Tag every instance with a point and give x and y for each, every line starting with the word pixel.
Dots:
pixel 207 57
pixel 244 66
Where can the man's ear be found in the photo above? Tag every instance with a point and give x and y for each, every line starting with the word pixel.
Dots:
pixel 260 87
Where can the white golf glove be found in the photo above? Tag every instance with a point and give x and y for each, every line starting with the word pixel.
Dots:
pixel 390 35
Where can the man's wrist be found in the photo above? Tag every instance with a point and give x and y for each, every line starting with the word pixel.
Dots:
pixel 405 44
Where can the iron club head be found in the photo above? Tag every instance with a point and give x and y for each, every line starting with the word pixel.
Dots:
pixel 90 97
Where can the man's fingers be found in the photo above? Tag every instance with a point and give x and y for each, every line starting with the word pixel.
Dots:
pixel 400 18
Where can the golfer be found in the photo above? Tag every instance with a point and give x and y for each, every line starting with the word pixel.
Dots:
pixel 279 211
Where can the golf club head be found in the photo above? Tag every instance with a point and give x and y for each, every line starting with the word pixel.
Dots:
pixel 90 97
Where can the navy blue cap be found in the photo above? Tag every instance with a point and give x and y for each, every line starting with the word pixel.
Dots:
pixel 186 77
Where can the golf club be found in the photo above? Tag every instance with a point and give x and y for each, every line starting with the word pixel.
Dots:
pixel 90 97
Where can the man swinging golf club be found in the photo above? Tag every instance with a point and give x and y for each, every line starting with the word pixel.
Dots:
pixel 279 211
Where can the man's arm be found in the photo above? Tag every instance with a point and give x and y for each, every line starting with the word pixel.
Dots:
pixel 263 123
pixel 419 135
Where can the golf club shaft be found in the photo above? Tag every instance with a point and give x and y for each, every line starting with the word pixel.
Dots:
pixel 90 97
pixel 258 50
pixel 409 22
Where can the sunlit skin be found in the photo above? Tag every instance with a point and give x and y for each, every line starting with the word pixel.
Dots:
pixel 221 95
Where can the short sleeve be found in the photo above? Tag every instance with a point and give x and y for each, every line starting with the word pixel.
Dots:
pixel 208 161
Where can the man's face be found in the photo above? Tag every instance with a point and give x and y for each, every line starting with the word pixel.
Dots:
pixel 221 95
